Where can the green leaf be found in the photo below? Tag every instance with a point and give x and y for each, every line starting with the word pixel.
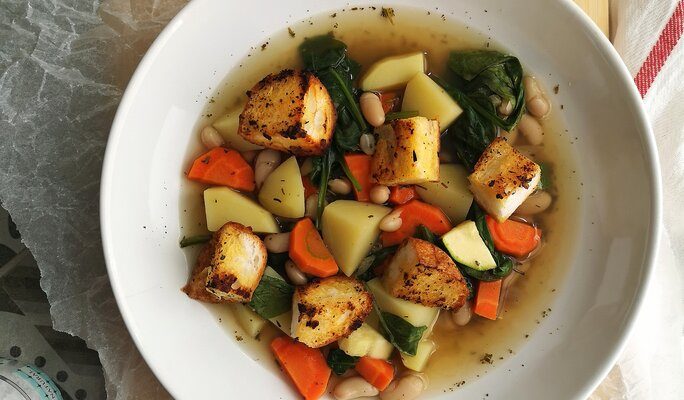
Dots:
pixel 193 240
pixel 545 180
pixel 424 233
pixel 401 333
pixel 272 297
pixel 400 115
pixel 504 265
pixel 339 361
pixel 374 259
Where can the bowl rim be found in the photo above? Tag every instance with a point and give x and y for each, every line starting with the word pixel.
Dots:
pixel 584 23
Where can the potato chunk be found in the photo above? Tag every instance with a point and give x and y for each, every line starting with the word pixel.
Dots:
pixel 422 273
pixel 392 72
pixel 503 179
pixel 222 205
pixel 289 111
pixel 424 95
pixel 406 152
pixel 451 193
pixel 282 193
pixel 329 309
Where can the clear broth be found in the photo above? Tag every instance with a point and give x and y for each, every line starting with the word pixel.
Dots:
pixel 461 355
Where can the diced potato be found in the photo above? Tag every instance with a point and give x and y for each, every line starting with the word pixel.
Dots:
pixel 250 321
pixel 222 205
pixel 406 152
pixel 366 341
pixel 227 126
pixel 451 193
pixel 415 314
pixel 283 322
pixel 503 178
pixel 349 230
pixel 393 72
pixel 418 362
pixel 430 100
pixel 282 193
pixel 329 309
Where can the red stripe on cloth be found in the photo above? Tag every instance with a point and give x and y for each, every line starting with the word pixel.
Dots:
pixel 661 50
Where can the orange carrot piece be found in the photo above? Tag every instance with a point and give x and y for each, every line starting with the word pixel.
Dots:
pixel 309 187
pixel 305 366
pixel 402 194
pixel 487 299
pixel 359 166
pixel 377 372
pixel 390 101
pixel 413 214
pixel 308 251
pixel 223 167
pixel 513 237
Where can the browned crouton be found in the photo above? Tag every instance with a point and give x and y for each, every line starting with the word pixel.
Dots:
pixel 196 288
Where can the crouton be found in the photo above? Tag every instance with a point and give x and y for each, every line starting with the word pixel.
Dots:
pixel 329 309
pixel 422 273
pixel 196 288
pixel 503 178
pixel 406 152
pixel 289 111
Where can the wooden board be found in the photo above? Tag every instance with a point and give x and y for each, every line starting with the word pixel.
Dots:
pixel 598 10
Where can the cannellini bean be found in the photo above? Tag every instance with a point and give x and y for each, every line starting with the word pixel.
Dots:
pixel 536 102
pixel 536 203
pixel 277 242
pixel 250 155
pixel 353 388
pixel 311 206
pixel 463 315
pixel 372 110
pixel 265 163
pixel 367 143
pixel 391 222
pixel 408 387
pixel 531 129
pixel 505 108
pixel 211 138
pixel 307 167
pixel 379 194
pixel 511 136
pixel 340 186
pixel 295 274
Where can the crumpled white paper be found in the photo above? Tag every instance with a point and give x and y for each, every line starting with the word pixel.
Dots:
pixel 63 67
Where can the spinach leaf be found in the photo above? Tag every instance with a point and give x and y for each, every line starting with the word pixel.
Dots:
pixel 504 265
pixel 401 333
pixel 469 136
pixel 374 259
pixel 545 180
pixel 193 240
pixel 391 116
pixel 339 361
pixel 272 297
pixel 424 233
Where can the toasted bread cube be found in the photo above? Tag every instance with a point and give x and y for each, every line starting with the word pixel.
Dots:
pixel 237 263
pixel 326 310
pixel 289 111
pixel 503 178
pixel 422 273
pixel 406 152
pixel 196 288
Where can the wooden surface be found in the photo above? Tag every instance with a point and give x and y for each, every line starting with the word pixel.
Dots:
pixel 598 11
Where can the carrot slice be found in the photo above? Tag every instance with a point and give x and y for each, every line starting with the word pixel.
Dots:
pixel 309 187
pixel 359 166
pixel 223 167
pixel 377 372
pixel 390 101
pixel 413 214
pixel 513 237
pixel 487 299
pixel 402 194
pixel 308 251
pixel 305 366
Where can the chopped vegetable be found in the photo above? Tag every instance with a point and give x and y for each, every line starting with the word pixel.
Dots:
pixel 282 193
pixel 193 240
pixel 223 167
pixel 512 237
pixel 402 194
pixel 359 167
pixel 273 296
pixel 308 251
pixel 487 299
pixel 250 321
pixel 227 126
pixel 366 341
pixel 401 333
pixel 418 362
pixel 222 204
pixel 392 72
pixel 546 173
pixel 414 314
pixel 400 115
pixel 377 372
pixel 390 101
pixel 305 366
pixel 309 187
pixel 466 246
pixel 340 362
pixel 431 101
pixel 451 193
pixel 413 214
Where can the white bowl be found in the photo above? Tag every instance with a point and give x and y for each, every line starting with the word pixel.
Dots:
pixel 188 349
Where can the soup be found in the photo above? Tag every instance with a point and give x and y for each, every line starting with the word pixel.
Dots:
pixel 459 345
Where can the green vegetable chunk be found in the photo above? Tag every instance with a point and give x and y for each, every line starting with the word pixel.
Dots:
pixel 339 361
pixel 404 336
pixel 272 297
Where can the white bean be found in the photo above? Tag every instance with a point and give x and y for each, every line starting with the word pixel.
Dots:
pixel 250 155
pixel 307 167
pixel 340 186
pixel 531 129
pixel 372 110
pixel 391 222
pixel 277 242
pixel 505 108
pixel 353 388
pixel 265 163
pixel 536 102
pixel 510 136
pixel 311 206
pixel 408 387
pixel 297 277
pixel 211 138
pixel 536 203
pixel 367 143
pixel 379 194
pixel 463 315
